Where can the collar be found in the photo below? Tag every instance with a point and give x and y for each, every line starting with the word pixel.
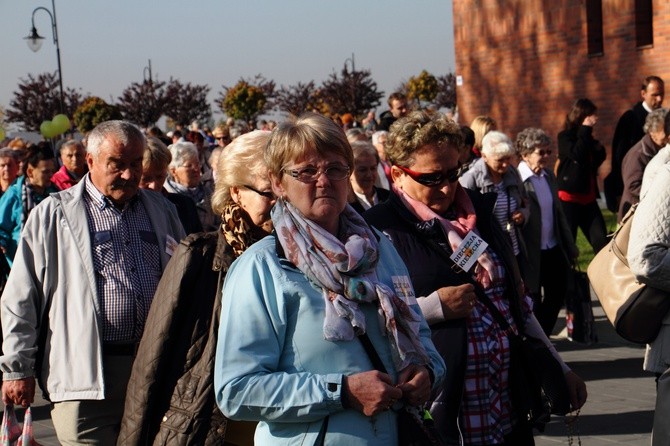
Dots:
pixel 100 200
pixel 526 173
pixel 646 107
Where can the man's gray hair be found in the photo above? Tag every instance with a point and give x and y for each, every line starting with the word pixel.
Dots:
pixel 123 132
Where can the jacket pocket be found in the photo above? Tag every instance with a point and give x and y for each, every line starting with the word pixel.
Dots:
pixel 175 428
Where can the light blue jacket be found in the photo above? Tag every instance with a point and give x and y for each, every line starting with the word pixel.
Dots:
pixel 11 210
pixel 274 365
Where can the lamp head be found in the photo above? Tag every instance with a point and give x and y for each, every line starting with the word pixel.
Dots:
pixel 34 40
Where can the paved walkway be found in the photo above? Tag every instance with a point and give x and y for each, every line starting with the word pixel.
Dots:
pixel 619 409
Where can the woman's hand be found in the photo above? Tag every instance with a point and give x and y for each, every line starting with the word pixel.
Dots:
pixel 577 389
pixel 590 121
pixel 517 218
pixel 414 381
pixel 370 392
pixel 457 301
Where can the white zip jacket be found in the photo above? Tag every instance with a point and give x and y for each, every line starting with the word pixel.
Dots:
pixel 52 287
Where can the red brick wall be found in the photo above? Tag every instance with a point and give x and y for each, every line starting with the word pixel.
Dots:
pixel 524 62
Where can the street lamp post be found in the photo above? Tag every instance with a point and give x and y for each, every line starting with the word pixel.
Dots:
pixel 34 41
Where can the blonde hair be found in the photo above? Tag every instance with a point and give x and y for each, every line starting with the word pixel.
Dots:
pixel 292 139
pixel 156 154
pixel 239 162
pixel 481 125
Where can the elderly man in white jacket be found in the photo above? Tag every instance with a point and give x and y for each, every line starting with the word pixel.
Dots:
pixel 80 288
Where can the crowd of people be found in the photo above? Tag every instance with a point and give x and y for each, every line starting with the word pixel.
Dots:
pixel 296 283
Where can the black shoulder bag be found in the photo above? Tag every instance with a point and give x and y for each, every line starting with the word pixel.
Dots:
pixel 536 379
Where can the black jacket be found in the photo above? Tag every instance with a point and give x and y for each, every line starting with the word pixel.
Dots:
pixel 627 133
pixel 382 196
pixel 425 251
pixel 579 156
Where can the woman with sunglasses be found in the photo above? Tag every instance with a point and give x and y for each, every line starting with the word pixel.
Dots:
pixel 548 240
pixel 170 398
pixel 494 172
pixel 461 265
pixel 298 307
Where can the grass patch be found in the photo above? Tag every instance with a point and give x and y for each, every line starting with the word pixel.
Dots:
pixel 585 250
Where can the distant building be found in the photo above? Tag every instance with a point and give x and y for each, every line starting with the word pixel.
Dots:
pixel 524 62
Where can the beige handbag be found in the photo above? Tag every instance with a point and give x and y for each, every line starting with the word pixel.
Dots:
pixel 635 309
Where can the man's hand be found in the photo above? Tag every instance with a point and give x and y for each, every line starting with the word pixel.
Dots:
pixel 20 392
pixel 457 301
pixel 370 392
pixel 414 381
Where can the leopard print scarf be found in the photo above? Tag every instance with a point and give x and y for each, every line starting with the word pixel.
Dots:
pixel 238 229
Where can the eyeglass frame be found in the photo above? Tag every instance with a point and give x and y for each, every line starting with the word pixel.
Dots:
pixel 452 176
pixel 543 152
pixel 295 173
pixel 269 194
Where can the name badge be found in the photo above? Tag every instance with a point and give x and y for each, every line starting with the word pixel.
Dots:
pixel 468 251
pixel 404 289
pixel 170 245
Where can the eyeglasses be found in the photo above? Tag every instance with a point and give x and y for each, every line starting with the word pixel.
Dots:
pixel 433 179
pixel 543 152
pixel 311 174
pixel 267 194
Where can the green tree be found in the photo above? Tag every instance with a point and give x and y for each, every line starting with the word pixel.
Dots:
pixel 352 92
pixel 243 101
pixel 92 112
pixel 422 88
pixel 38 99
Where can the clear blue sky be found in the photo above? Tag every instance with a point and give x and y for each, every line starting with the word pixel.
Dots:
pixel 106 45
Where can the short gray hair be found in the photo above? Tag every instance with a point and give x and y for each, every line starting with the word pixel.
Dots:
pixel 180 151
pixel 378 134
pixel 124 132
pixel 530 139
pixel 363 148
pixel 496 143
pixel 655 120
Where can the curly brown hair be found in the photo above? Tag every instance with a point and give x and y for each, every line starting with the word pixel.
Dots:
pixel 407 135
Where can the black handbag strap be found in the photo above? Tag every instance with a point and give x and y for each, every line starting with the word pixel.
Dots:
pixel 372 353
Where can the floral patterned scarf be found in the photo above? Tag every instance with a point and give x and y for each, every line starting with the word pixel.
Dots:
pixel 344 268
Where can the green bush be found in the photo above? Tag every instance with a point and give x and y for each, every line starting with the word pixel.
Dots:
pixel 585 250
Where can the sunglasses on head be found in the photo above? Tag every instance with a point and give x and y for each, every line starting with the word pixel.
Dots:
pixel 433 179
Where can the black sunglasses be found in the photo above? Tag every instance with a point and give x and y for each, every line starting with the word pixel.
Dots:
pixel 269 194
pixel 433 179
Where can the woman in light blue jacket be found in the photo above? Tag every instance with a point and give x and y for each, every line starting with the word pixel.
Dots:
pixel 295 303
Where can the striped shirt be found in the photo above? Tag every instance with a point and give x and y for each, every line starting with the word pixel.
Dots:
pixel 126 259
pixel 505 206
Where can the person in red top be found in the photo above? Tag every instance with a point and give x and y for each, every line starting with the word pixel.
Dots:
pixel 73 169
pixel 579 156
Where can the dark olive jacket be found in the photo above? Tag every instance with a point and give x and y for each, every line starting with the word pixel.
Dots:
pixel 170 397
